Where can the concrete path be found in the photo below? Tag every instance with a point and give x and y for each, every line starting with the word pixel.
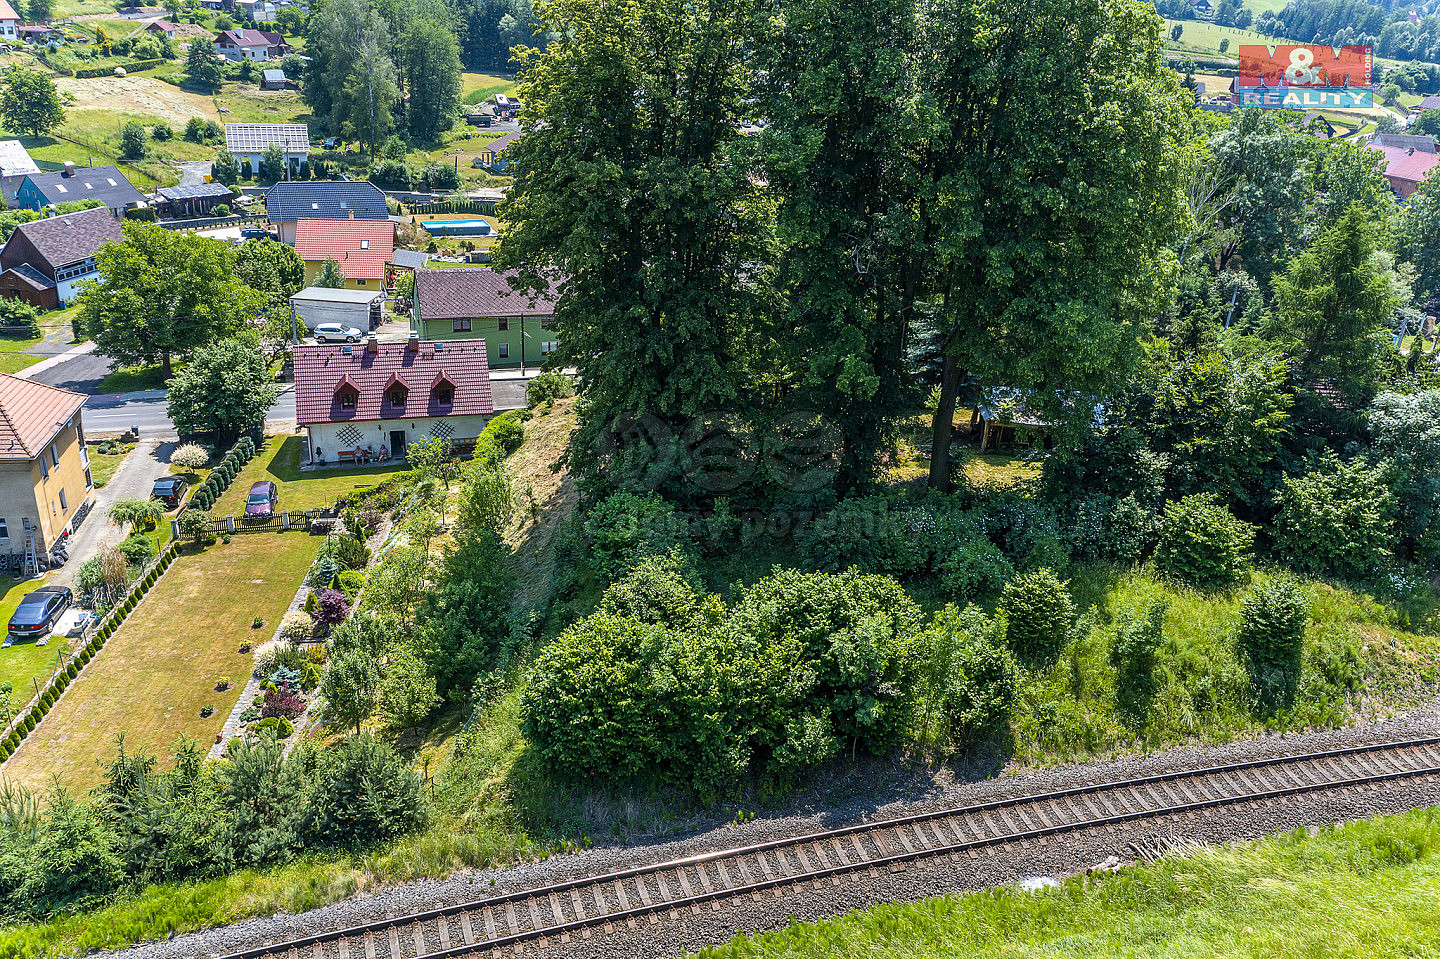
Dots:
pixel 137 474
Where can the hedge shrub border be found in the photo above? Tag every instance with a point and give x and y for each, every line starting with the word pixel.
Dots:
pixel 29 716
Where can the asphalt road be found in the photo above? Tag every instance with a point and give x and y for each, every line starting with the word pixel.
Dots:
pixel 146 410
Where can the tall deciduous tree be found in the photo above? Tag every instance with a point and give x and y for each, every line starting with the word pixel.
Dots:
pixel 272 268
pixel 841 158
pixel 631 185
pixel 29 103
pixel 1053 186
pixel 224 391
pixel 430 58
pixel 164 292
pixel 372 90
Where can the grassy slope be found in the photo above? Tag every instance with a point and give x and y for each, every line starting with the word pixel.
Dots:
pixel 1364 889
pixel 279 461
pixel 152 677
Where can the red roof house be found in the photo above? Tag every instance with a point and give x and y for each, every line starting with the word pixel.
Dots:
pixel 361 247
pixel 373 399
pixel 1407 166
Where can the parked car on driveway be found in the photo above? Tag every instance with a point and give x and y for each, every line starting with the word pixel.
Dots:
pixel 262 499
pixel 38 611
pixel 326 332
pixel 169 490
pixel 254 233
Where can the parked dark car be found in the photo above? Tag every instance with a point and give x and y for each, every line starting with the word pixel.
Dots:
pixel 254 233
pixel 38 611
pixel 169 490
pixel 262 499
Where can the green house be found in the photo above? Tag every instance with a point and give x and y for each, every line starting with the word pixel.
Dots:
pixel 477 303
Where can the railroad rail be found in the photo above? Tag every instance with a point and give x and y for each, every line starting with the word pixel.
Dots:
pixel 584 906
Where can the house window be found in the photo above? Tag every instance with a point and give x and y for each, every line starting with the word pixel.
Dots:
pixel 445 394
pixel 544 322
pixel 461 326
pixel 54 455
pixel 63 503
pixel 4 530
pixel 397 396
pixel 548 346
pixel 361 282
pixel 502 350
pixel 503 324
pixel 44 468
pixel 347 401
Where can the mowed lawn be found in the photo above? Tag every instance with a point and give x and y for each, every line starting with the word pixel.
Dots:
pixel 25 661
pixel 279 462
pixel 153 676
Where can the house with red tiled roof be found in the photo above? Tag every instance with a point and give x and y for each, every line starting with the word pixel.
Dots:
pixel 373 399
pixel 361 247
pixel 243 45
pixel 44 471
pixel 1408 161
pixel 477 302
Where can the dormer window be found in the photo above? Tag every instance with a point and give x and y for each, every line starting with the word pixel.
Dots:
pixel 445 394
pixel 347 400
pixel 397 396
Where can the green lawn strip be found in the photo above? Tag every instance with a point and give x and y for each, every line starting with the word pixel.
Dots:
pixel 153 676
pixel 279 461
pixel 131 378
pixel 25 663
pixel 1363 889
pixel 104 465
pixel 477 87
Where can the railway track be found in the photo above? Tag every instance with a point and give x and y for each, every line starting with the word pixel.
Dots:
pixel 584 907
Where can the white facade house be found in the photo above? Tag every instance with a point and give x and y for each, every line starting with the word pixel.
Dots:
pixel 240 45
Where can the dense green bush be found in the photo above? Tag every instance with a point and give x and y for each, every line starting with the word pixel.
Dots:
pixel 625 528
pixel 347 552
pixel 1406 430
pixel 975 568
pixel 1038 615
pixel 969 680
pixel 464 620
pixel 1271 639
pixel 1202 544
pixel 137 549
pixel 803 667
pixel 501 437
pixel 1137 641
pixel 278 726
pixel 1335 519
pixel 548 387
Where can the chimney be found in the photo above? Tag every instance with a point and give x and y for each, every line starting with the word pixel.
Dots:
pixel 69 168
pixel 372 345
pixel 352 212
pixel 412 345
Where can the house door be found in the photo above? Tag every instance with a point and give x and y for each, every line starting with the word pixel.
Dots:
pixel 397 443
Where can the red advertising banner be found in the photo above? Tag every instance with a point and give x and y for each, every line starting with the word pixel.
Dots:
pixel 1312 65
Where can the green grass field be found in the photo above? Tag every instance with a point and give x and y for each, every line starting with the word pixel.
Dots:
pixel 1365 889
pixel 24 662
pixel 279 461
pixel 153 676
pixel 475 87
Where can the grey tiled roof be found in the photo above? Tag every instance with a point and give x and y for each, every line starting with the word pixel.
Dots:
pixel 472 292
pixel 72 237
pixel 103 183
pixel 325 200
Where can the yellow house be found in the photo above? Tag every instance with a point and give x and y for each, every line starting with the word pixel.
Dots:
pixel 362 248
pixel 44 471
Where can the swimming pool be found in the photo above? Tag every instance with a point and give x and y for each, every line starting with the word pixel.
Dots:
pixel 456 227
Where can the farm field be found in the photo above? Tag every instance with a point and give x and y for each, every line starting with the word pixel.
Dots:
pixel 475 87
pixel 279 461
pixel 162 666
pixel 1363 889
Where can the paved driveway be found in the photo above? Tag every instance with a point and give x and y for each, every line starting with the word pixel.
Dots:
pixel 146 463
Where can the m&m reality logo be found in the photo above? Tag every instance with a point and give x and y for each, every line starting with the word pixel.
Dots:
pixel 1305 76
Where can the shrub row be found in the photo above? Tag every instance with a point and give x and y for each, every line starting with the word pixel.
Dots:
pixel 58 683
pixel 220 478
pixel 132 67
pixel 455 206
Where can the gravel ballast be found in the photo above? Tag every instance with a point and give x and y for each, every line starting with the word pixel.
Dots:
pixel 910 793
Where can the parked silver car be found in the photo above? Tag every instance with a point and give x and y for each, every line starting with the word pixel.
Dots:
pixel 337 333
